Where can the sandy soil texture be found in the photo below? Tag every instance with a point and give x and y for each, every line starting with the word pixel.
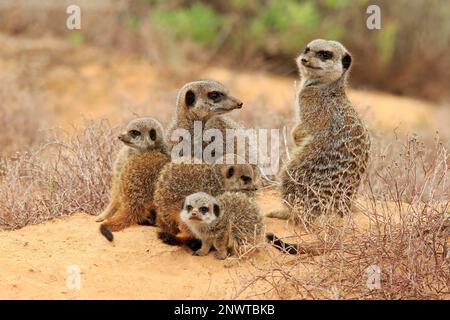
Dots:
pixel 37 262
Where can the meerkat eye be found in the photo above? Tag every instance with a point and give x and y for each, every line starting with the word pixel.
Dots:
pixel 134 133
pixel 246 179
pixel 306 50
pixel 325 55
pixel 215 95
pixel 203 209
pixel 230 172
pixel 189 208
pixel 152 134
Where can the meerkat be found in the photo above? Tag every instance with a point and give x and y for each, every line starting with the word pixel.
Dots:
pixel 178 180
pixel 135 174
pixel 332 142
pixel 205 101
pixel 230 222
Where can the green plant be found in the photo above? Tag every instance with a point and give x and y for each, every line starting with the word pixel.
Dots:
pixel 199 23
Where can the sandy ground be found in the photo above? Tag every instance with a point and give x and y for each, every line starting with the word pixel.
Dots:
pixel 82 82
pixel 36 263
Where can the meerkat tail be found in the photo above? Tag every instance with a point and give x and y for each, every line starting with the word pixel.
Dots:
pixel 117 223
pixel 169 238
pixel 106 233
pixel 174 240
pixel 294 249
pixel 281 245
pixel 282 214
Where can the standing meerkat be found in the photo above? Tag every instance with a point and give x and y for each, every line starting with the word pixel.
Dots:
pixel 178 180
pixel 135 174
pixel 332 142
pixel 205 101
pixel 231 222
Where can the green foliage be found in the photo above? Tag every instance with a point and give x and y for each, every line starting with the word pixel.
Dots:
pixel 133 23
pixel 199 22
pixel 385 42
pixel 289 21
pixel 337 4
pixel 76 37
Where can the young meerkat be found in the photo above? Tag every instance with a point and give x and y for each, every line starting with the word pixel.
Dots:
pixel 178 180
pixel 204 101
pixel 230 222
pixel 332 142
pixel 135 174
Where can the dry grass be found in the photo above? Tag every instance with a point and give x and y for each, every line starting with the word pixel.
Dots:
pixel 20 116
pixel 70 173
pixel 401 231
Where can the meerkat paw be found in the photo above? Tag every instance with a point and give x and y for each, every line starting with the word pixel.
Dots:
pixel 283 214
pixel 100 219
pixel 221 255
pixel 200 252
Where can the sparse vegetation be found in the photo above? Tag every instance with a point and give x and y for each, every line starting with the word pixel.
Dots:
pixel 404 233
pixel 69 173
pixel 401 223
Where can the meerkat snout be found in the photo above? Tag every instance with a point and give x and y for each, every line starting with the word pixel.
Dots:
pixel 240 177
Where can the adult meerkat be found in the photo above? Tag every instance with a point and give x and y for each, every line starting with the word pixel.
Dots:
pixel 135 173
pixel 205 101
pixel 230 222
pixel 178 180
pixel 332 142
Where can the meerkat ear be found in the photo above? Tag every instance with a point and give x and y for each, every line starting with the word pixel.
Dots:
pixel 346 61
pixel 216 209
pixel 190 98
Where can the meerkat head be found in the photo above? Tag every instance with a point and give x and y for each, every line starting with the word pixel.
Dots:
pixel 205 98
pixel 323 61
pixel 143 134
pixel 200 208
pixel 239 177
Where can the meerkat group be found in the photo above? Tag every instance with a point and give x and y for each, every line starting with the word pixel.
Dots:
pixel 215 202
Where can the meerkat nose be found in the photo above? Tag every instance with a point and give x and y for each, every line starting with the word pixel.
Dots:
pixel 304 60
pixel 240 104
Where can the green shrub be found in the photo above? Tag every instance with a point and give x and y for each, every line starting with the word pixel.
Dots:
pixel 199 22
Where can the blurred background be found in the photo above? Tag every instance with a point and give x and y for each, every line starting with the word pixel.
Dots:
pixel 130 56
pixel 408 56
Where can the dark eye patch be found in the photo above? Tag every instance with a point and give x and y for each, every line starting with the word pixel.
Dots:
pixel 189 208
pixel 246 179
pixel 306 50
pixel 215 95
pixel 152 134
pixel 190 98
pixel 216 210
pixel 203 209
pixel 134 133
pixel 230 172
pixel 325 55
